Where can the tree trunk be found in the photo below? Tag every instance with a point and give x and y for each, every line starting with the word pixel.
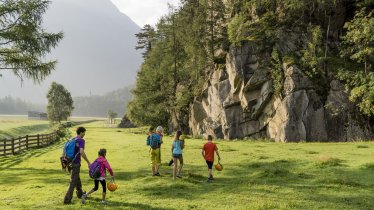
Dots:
pixel 327 38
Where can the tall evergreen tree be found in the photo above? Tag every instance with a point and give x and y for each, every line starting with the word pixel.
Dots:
pixel 23 41
pixel 146 37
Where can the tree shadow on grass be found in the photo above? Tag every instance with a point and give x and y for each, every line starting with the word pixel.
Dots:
pixel 323 186
pixel 95 202
pixel 37 175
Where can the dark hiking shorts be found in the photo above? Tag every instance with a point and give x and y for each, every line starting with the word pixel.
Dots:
pixel 210 164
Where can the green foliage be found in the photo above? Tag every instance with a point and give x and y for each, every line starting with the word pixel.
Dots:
pixel 60 103
pixel 361 89
pixel 312 55
pixel 146 37
pixel 182 55
pixel 23 41
pixel 236 29
pixel 358 43
pixel 277 72
pixel 111 116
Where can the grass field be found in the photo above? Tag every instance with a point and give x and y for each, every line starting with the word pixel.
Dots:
pixel 256 175
pixel 19 125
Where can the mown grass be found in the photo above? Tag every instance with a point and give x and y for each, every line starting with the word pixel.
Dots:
pixel 256 175
pixel 13 126
pixel 19 125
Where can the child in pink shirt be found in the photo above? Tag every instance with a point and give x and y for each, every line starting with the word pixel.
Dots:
pixel 104 166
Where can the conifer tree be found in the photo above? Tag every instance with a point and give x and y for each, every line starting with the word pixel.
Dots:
pixel 23 40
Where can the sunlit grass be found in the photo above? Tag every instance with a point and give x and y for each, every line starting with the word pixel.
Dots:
pixel 256 175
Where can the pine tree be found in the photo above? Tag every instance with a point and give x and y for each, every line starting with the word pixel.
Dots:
pixel 145 39
pixel 23 41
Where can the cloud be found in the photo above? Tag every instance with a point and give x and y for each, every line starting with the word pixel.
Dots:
pixel 144 11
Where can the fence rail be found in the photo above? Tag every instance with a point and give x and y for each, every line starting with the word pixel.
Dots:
pixel 14 146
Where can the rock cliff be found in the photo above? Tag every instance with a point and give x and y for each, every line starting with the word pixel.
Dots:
pixel 238 101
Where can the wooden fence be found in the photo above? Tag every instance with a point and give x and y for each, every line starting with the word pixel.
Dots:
pixel 16 145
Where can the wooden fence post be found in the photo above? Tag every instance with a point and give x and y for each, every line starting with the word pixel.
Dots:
pixel 4 146
pixel 38 143
pixel 19 143
pixel 27 142
pixel 12 146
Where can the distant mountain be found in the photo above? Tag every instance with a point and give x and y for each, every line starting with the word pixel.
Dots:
pixel 99 105
pixel 96 56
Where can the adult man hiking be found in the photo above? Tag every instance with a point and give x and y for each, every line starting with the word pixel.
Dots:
pixel 75 181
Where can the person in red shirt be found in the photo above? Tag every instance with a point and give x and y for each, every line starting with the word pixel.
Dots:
pixel 208 153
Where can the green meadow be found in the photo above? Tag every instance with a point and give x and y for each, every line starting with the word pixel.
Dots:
pixel 12 126
pixel 256 175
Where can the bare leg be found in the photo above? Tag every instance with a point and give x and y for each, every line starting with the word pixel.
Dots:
pixel 175 167
pixel 209 173
pixel 181 166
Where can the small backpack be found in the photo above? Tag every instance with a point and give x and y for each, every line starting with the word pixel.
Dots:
pixel 94 171
pixel 70 149
pixel 154 141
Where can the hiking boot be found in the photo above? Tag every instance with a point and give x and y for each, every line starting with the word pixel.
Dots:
pixel 157 174
pixel 104 202
pixel 84 196
pixel 67 200
pixel 80 193
pixel 179 176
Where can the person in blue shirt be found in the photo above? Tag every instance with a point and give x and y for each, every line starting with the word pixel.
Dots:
pixel 176 151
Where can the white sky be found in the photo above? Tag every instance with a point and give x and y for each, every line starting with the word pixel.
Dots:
pixel 144 11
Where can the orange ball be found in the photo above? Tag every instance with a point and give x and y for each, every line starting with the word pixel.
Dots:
pixel 219 167
pixel 112 186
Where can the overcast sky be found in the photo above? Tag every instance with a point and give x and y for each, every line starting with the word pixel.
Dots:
pixel 144 11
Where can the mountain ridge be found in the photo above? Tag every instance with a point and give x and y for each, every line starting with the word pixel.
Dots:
pixel 96 56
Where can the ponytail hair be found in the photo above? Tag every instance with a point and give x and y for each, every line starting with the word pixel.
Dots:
pixel 178 134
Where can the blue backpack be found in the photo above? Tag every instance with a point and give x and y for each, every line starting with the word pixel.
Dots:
pixel 70 148
pixel 154 141
pixel 94 171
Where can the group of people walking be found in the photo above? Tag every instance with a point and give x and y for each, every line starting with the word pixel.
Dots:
pixel 154 140
pixel 72 161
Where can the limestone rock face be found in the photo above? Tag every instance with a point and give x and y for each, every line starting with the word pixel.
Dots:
pixel 239 102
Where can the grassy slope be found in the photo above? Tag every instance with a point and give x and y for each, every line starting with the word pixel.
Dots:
pixel 19 125
pixel 11 126
pixel 257 175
